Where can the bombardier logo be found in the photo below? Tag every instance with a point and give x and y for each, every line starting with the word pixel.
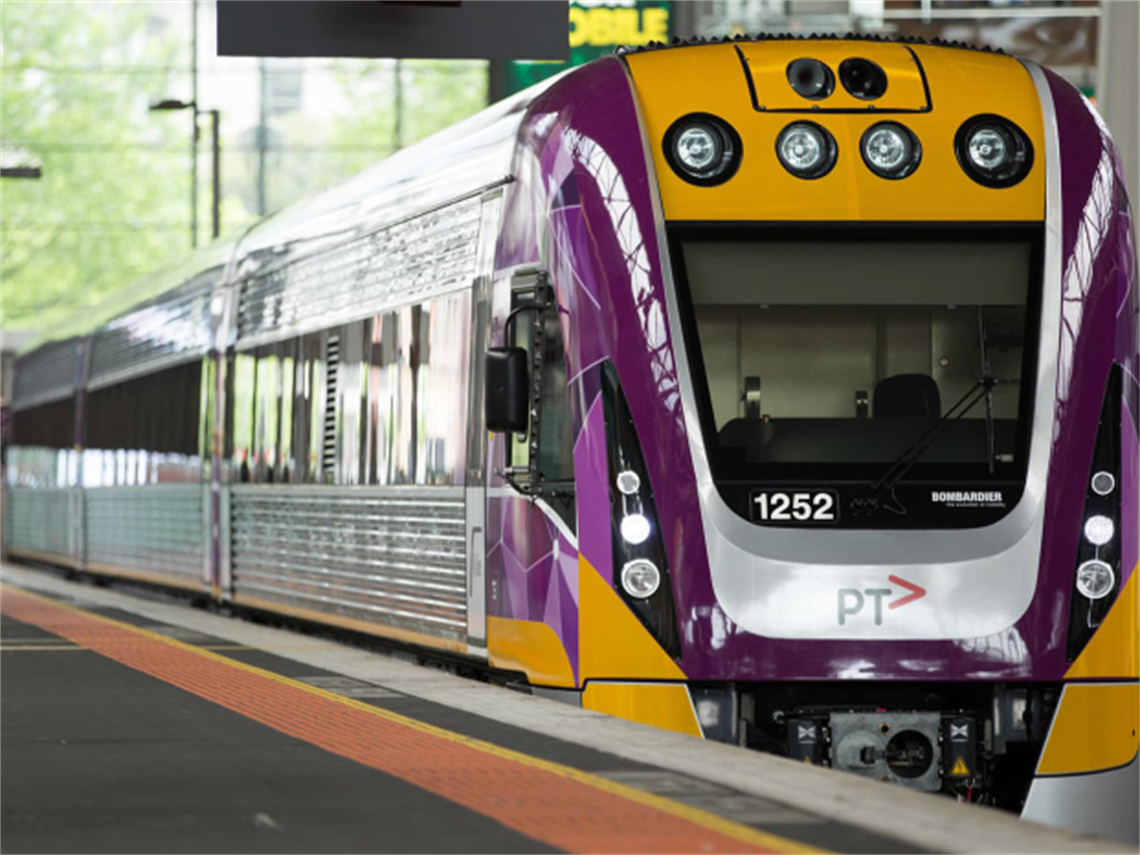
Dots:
pixel 968 498
pixel 852 600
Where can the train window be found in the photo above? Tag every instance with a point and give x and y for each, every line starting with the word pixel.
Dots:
pixel 812 326
pixel 442 359
pixel 46 426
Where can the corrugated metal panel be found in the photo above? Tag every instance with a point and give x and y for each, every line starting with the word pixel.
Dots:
pixel 40 519
pixel 408 262
pixel 164 332
pixel 392 556
pixel 156 529
pixel 47 374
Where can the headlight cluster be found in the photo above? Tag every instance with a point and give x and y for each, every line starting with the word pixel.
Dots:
pixel 1096 582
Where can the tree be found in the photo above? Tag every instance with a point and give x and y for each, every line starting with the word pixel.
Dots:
pixel 75 81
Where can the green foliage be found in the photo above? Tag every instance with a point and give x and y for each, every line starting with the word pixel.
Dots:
pixel 107 207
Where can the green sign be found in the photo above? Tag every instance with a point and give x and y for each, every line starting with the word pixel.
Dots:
pixel 596 28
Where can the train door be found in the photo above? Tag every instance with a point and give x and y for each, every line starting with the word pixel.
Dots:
pixel 476 480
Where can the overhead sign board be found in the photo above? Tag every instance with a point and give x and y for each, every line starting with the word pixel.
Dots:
pixel 448 29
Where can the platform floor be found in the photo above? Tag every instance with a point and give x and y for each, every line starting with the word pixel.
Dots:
pixel 130 725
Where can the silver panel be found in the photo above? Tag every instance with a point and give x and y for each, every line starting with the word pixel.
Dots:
pixel 155 335
pixel 41 519
pixel 783 583
pixel 389 556
pixel 156 529
pixel 1101 803
pixel 408 262
pixel 47 374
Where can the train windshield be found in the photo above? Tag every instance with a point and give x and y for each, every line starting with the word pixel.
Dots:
pixel 832 360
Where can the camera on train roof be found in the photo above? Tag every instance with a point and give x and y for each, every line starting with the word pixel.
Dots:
pixel 703 149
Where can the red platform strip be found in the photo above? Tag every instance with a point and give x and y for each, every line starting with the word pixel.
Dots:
pixel 560 806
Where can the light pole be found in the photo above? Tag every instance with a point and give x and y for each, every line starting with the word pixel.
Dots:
pixel 215 144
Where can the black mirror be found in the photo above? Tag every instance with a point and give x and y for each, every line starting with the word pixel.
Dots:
pixel 507 388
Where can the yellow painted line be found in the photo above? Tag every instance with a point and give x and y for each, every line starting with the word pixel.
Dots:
pixel 694 815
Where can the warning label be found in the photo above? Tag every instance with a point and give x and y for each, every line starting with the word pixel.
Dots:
pixel 959 769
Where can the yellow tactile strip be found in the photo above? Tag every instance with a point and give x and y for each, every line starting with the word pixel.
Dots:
pixel 563 807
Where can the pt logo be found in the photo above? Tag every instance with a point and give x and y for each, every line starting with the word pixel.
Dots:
pixel 852 600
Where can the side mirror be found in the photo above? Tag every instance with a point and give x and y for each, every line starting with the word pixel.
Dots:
pixel 507 389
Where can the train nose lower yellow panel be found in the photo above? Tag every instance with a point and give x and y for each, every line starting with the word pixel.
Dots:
pixel 672 83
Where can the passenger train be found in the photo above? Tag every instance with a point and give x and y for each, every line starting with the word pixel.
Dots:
pixel 780 391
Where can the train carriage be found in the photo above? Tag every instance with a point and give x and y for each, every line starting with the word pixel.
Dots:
pixel 780 391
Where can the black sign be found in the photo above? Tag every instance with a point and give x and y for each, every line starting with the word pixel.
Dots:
pixel 472 29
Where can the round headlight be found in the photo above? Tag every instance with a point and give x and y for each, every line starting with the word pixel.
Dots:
pixel 890 150
pixel 1095 579
pixel 806 150
pixel 628 482
pixel 863 78
pixel 1099 530
pixel 993 151
pixel 810 78
pixel 702 149
pixel 640 578
pixel 1103 483
pixel 635 528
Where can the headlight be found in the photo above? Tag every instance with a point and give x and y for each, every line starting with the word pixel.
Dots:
pixel 628 482
pixel 635 528
pixel 1095 579
pixel 1099 530
pixel 1103 483
pixel 640 578
pixel 702 149
pixel 993 151
pixel 810 78
pixel 890 150
pixel 863 78
pixel 806 150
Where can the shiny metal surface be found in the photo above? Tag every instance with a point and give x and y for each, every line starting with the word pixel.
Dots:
pixel 393 556
pixel 1101 803
pixel 47 374
pixel 170 329
pixel 408 262
pixel 41 519
pixel 784 583
pixel 156 529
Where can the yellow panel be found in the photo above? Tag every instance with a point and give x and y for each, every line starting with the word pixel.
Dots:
pixel 611 640
pixel 769 69
pixel 1094 729
pixel 531 647
pixel 1114 649
pixel 710 78
pixel 663 705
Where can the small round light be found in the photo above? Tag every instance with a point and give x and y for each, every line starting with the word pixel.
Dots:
pixel 1099 530
pixel 628 482
pixel 1095 579
pixel 698 148
pixel 890 150
pixel 1103 483
pixel 640 578
pixel 635 528
pixel 993 151
pixel 806 150
pixel 810 78
pixel 702 149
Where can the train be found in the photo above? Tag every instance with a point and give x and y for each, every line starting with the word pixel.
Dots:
pixel 775 390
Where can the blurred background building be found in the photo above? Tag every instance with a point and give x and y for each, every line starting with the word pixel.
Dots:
pixel 123 189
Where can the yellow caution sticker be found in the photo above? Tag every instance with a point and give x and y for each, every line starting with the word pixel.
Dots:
pixel 959 769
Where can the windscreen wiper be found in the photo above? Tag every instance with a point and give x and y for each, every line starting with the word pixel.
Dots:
pixel 881 494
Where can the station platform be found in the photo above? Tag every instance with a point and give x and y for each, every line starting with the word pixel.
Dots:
pixel 134 724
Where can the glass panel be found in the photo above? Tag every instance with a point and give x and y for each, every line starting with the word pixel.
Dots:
pixel 443 359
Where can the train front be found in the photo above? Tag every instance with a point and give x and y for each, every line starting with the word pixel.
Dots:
pixel 885 405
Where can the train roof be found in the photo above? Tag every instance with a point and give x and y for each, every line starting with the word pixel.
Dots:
pixel 698 41
pixel 452 163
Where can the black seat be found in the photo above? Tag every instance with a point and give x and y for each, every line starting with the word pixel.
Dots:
pixel 907 396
